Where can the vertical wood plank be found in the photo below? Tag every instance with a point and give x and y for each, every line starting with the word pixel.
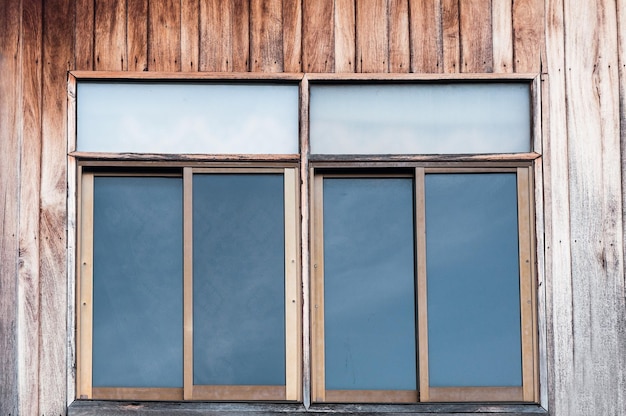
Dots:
pixel 426 27
pixel 85 27
pixel 215 36
pixel 528 17
pixel 9 177
pixel 372 36
pixel 241 35
pixel 476 36
pixel 599 312
pixel 399 43
pixel 28 277
pixel 58 55
pixel 502 23
pixel 345 36
pixel 190 35
pixel 164 35
pixel 621 38
pixel 110 35
pixel 318 36
pixel 292 35
pixel 451 41
pixel 137 30
pixel 266 35
pixel 421 291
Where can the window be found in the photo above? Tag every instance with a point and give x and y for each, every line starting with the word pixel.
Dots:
pixel 308 239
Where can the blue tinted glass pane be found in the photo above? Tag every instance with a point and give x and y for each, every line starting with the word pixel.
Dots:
pixel 423 118
pixel 473 280
pixel 238 279
pixel 137 282
pixel 369 308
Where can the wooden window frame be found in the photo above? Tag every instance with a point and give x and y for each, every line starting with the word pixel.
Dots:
pixel 305 163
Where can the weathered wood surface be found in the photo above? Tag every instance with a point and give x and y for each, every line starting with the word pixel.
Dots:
pixel 425 27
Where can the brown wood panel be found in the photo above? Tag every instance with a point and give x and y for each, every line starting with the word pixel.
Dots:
pixel 292 35
pixel 528 18
pixel 164 35
pixel 58 57
pixel 476 36
pixel 30 157
pixel 372 36
pixel 266 35
pixel 345 35
pixel 502 24
pixel 318 43
pixel 241 35
pixel 239 392
pixel 215 36
pixel 136 393
pixel 599 313
pixel 9 177
pixel 371 396
pixel 84 37
pixel 399 39
pixel 451 42
pixel 190 35
pixel 137 32
pixel 426 35
pixel 476 394
pixel 110 35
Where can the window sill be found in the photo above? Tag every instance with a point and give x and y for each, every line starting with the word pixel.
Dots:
pixel 111 408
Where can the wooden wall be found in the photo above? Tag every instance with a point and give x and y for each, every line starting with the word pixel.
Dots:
pixel 579 47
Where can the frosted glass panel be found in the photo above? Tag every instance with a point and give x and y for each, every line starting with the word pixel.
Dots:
pixel 369 306
pixel 473 280
pixel 149 117
pixel 420 118
pixel 137 282
pixel 238 279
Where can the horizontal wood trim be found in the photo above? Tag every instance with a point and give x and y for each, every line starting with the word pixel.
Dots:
pixel 165 76
pixel 137 393
pixel 476 394
pixel 439 159
pixel 314 77
pixel 239 393
pixel 371 396
pixel 152 157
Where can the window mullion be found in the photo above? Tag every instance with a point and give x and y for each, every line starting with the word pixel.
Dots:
pixel 188 283
pixel 421 298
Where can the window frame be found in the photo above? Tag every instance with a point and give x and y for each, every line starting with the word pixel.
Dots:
pixel 307 163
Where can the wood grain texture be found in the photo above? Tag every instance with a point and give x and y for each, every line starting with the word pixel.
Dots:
pixel 502 26
pixel 30 159
pixel 451 41
pixel 621 39
pixel 476 36
pixel 318 39
pixel 84 37
pixel 110 37
pixel 215 36
pixel 241 35
pixel 528 18
pixel 137 34
pixel 427 46
pixel 164 35
pixel 10 20
pixel 372 36
pixel 266 35
pixel 399 39
pixel 292 35
pixel 345 36
pixel 599 312
pixel 189 35
pixel 58 55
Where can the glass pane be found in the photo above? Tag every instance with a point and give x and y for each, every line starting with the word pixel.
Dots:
pixel 420 118
pixel 369 303
pixel 149 117
pixel 238 279
pixel 137 282
pixel 473 280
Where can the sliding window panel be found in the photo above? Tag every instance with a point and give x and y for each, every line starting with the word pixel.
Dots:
pixel 239 284
pixel 369 293
pixel 189 117
pixel 473 273
pixel 137 284
pixel 420 118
